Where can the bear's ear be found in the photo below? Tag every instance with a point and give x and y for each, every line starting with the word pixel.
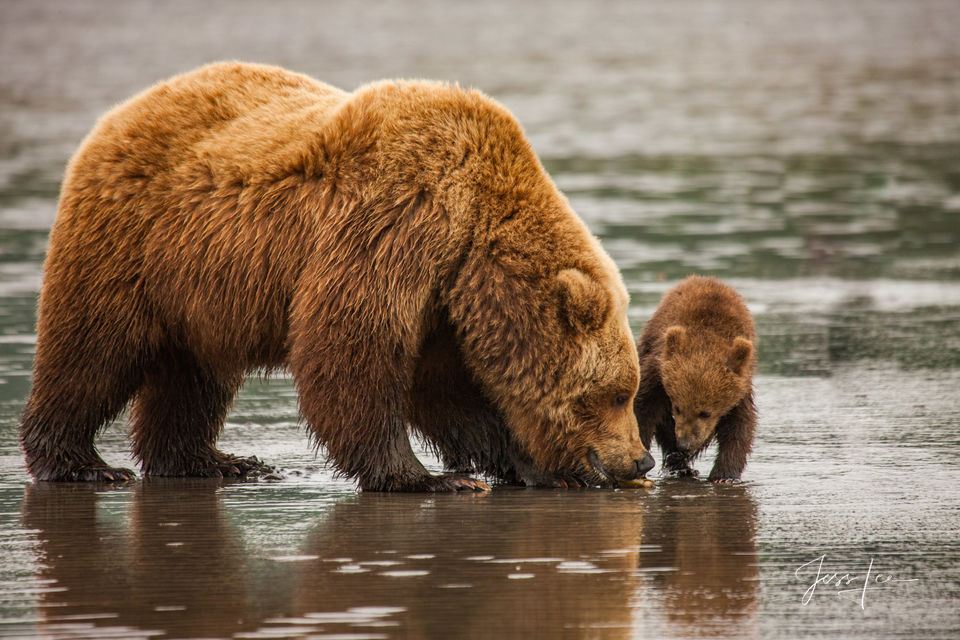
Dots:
pixel 673 339
pixel 583 302
pixel 739 355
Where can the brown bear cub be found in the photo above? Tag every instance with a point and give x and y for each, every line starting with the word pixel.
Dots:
pixel 697 359
pixel 399 249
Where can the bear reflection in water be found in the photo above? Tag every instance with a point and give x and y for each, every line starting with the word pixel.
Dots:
pixel 169 562
pixel 509 563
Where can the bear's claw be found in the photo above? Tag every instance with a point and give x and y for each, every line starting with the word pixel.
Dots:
pixel 448 484
pixel 460 483
pixel 217 465
pixel 231 466
pixel 98 474
pixel 569 481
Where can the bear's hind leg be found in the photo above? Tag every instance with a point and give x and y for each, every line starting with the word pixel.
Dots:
pixel 177 417
pixel 63 415
pixel 80 384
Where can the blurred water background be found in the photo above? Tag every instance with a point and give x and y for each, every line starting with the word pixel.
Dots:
pixel 806 152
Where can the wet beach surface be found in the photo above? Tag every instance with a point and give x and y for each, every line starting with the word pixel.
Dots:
pixel 806 153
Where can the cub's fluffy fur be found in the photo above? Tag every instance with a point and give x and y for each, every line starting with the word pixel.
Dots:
pixel 697 359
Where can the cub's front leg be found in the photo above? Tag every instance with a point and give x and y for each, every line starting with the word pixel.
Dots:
pixel 735 441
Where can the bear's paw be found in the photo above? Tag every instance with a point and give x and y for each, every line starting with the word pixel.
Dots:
pixel 90 473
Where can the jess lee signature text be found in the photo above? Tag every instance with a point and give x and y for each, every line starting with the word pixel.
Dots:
pixel 853 586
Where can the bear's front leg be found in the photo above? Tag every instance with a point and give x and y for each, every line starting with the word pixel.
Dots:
pixel 375 449
pixel 355 355
pixel 396 468
pixel 353 405
pixel 377 453
pixel 735 441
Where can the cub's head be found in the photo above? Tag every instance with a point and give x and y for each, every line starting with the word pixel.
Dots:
pixel 704 379
pixel 583 422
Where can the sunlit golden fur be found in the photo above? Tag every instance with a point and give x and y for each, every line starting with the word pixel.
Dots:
pixel 242 217
pixel 697 359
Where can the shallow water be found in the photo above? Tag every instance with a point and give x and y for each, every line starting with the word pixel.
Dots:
pixel 808 153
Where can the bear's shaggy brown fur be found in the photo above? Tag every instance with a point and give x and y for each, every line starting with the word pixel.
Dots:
pixel 399 248
pixel 697 359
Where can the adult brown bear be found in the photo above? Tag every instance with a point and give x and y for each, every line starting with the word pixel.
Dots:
pixel 399 248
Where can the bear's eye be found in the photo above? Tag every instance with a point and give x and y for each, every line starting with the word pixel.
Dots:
pixel 704 414
pixel 621 399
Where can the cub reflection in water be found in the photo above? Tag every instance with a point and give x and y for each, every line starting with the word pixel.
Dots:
pixel 707 533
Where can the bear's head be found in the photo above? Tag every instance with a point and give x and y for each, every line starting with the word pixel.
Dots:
pixel 582 421
pixel 704 378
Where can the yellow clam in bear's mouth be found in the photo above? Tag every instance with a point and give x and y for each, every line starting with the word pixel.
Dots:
pixel 639 480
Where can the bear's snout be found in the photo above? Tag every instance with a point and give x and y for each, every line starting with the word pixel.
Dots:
pixel 642 466
pixel 686 445
pixel 629 469
pixel 692 437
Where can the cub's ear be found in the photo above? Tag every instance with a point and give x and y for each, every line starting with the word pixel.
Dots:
pixel 583 302
pixel 673 339
pixel 739 356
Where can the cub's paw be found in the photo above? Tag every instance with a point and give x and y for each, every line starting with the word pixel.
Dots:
pixel 676 465
pixel 724 480
pixel 682 471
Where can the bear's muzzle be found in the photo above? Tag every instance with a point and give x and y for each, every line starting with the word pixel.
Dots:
pixel 637 469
